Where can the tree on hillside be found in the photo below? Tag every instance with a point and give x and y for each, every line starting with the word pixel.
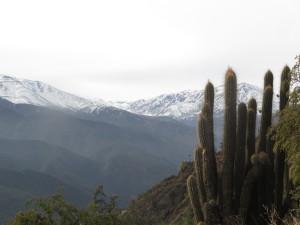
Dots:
pixel 54 210
pixel 286 132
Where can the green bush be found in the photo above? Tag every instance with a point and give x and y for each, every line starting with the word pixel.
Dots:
pixel 286 132
pixel 54 210
pixel 183 165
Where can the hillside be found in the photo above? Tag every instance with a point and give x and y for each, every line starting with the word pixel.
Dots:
pixel 91 142
pixel 17 187
pixel 127 161
pixel 168 202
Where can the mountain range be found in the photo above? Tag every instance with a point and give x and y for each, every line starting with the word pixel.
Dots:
pixel 182 106
pixel 126 146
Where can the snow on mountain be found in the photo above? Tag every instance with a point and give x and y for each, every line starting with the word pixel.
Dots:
pixel 22 91
pixel 183 106
pixel 186 105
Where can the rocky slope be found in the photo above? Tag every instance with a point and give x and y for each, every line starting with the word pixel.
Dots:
pixel 168 201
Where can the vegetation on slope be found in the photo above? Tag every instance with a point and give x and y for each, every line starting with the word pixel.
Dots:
pixel 286 132
pixel 168 202
pixel 16 187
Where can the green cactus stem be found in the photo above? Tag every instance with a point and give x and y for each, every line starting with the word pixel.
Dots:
pixel 199 175
pixel 279 163
pixel 259 162
pixel 229 141
pixel 284 87
pixel 194 198
pixel 206 137
pixel 269 173
pixel 266 118
pixel 251 128
pixel 209 184
pixel 239 163
pixel 209 94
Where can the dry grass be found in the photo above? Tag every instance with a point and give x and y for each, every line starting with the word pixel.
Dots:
pixel 292 218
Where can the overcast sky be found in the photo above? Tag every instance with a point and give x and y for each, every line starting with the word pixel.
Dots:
pixel 127 50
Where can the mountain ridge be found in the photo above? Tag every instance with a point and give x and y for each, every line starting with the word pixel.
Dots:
pixel 23 91
pixel 185 106
pixel 182 106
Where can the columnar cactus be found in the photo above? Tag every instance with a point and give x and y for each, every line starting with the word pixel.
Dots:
pixel 266 116
pixel 206 137
pixel 199 174
pixel 279 163
pixel 194 198
pixel 229 140
pixel 264 184
pixel 241 181
pixel 259 162
pixel 239 163
pixel 251 127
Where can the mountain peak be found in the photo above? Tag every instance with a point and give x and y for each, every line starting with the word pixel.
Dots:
pixel 23 91
pixel 185 105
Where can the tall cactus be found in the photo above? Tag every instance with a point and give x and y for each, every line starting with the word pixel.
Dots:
pixel 279 163
pixel 229 140
pixel 239 162
pixel 251 128
pixel 242 180
pixel 206 137
pixel 199 174
pixel 266 116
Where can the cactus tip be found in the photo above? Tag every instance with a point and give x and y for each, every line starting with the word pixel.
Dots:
pixel 263 158
pixel 230 72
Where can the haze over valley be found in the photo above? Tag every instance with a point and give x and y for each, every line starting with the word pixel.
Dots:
pixel 81 143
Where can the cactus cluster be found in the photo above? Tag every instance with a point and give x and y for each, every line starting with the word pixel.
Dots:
pixel 251 175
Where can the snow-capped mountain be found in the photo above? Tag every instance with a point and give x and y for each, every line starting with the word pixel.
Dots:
pixel 22 91
pixel 185 106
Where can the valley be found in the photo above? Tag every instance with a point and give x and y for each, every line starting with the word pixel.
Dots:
pixel 84 143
